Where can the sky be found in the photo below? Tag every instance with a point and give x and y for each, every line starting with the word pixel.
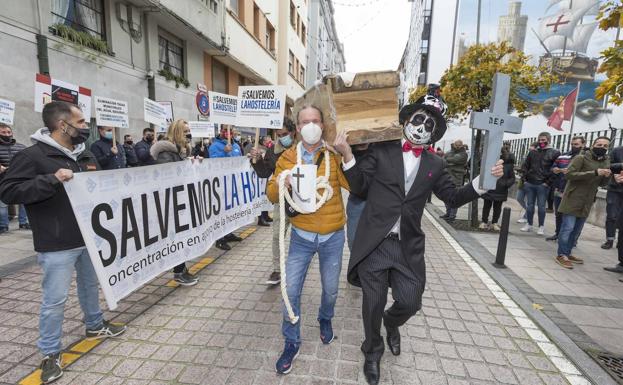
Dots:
pixel 374 33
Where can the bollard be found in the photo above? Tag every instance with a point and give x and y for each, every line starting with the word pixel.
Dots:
pixel 500 256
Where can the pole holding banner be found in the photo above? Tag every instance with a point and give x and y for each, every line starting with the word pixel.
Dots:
pixel 114 137
pixel 229 134
pixel 257 142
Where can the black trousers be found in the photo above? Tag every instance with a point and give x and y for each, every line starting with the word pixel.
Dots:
pixel 384 266
pixel 486 208
pixel 614 205
pixel 619 240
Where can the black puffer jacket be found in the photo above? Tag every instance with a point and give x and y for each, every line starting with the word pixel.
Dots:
pixel 30 181
pixel 500 193
pixel 537 168
pixel 616 156
pixel 8 151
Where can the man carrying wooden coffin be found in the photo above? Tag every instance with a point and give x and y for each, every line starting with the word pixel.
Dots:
pixel 397 177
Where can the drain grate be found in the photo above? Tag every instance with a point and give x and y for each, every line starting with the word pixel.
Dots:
pixel 613 364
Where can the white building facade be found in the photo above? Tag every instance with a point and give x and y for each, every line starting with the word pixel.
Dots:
pixel 325 53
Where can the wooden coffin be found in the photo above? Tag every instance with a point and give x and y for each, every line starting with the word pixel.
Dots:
pixel 364 104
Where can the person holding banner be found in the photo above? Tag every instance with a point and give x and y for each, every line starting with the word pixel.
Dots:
pixel 175 148
pixel 35 179
pixel 264 164
pixel 108 154
pixel 397 177
pixel 319 232
pixel 225 147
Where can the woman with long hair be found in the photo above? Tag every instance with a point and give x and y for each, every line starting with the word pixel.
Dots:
pixel 175 147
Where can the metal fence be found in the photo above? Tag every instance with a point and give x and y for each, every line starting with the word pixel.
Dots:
pixel 561 142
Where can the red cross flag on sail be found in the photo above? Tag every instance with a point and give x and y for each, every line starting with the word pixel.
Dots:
pixel 564 111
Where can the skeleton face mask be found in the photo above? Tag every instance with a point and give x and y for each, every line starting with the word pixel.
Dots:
pixel 419 128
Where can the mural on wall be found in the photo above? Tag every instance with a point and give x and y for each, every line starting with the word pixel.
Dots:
pixel 560 35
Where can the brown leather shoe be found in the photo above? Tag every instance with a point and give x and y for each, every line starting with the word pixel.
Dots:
pixel 564 262
pixel 577 260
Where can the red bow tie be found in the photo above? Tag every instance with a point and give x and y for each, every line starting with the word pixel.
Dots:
pixel 417 151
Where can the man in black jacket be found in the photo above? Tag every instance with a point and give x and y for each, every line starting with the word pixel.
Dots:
pixel 35 179
pixel 537 175
pixel 109 156
pixel 264 166
pixel 130 154
pixel 614 202
pixel 8 148
pixel 397 177
pixel 142 147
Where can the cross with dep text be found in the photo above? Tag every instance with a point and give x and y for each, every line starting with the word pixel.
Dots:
pixel 298 177
pixel 495 123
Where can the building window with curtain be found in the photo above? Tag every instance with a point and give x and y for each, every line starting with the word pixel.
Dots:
pixel 171 53
pixel 81 15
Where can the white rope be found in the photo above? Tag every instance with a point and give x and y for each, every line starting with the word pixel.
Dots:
pixel 322 182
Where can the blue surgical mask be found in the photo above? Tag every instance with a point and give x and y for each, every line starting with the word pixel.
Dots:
pixel 286 141
pixel 108 135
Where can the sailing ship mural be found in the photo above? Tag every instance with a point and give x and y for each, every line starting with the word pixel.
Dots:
pixel 560 36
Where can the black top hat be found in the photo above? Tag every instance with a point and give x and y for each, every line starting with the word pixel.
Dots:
pixel 440 123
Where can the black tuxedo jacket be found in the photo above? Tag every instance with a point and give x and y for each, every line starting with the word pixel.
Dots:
pixel 380 176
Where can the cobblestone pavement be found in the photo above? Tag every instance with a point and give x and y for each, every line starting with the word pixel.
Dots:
pixel 226 329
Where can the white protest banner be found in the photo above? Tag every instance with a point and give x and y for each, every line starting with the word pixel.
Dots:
pixel 155 113
pixel 168 108
pixel 48 89
pixel 111 112
pixel 261 106
pixel 7 111
pixel 223 108
pixel 140 222
pixel 201 129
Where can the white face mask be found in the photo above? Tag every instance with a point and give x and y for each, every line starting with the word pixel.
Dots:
pixel 311 133
pixel 420 127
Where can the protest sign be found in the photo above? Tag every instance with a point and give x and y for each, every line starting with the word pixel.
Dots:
pixel 48 89
pixel 155 113
pixel 111 112
pixel 140 222
pixel 168 108
pixel 201 129
pixel 261 106
pixel 222 108
pixel 304 186
pixel 7 111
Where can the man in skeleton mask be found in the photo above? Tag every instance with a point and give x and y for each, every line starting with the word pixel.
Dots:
pixel 398 177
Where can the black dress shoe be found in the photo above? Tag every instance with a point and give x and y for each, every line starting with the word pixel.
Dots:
pixel 221 244
pixel 552 238
pixel 608 244
pixel 268 219
pixel 443 216
pixel 372 372
pixel 616 269
pixel 262 222
pixel 232 238
pixel 393 340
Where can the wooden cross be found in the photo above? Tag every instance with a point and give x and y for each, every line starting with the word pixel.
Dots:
pixel 298 177
pixel 558 23
pixel 495 122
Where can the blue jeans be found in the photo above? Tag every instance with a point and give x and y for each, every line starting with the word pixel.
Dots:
pixel 299 258
pixel 536 193
pixel 521 198
pixel 58 267
pixel 4 215
pixel 354 208
pixel 569 233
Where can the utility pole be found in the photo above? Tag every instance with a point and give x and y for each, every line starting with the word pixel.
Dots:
pixel 476 142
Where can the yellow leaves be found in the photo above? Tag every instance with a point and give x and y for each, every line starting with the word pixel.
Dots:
pixel 416 93
pixel 468 84
pixel 611 16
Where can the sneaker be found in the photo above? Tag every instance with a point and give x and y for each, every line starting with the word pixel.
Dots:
pixel 185 278
pixel 616 269
pixel 483 226
pixel 522 220
pixel 326 331
pixel 564 262
pixel 51 368
pixel 232 238
pixel 284 363
pixel 526 228
pixel 607 245
pixel 4 230
pixel 108 329
pixel 221 244
pixel 495 227
pixel 576 260
pixel 541 230
pixel 275 278
pixel 25 226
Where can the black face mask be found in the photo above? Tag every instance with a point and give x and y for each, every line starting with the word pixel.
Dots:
pixel 129 142
pixel 149 139
pixel 83 134
pixel 599 152
pixel 575 150
pixel 189 136
pixel 6 138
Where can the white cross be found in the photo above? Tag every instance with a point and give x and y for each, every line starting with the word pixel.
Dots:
pixel 495 123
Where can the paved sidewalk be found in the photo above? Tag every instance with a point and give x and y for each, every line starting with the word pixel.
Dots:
pixel 586 302
pixel 17 248
pixel 226 329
